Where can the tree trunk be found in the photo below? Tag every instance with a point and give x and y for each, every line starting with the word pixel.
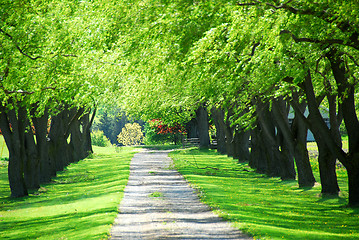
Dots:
pixel 87 133
pixel 326 159
pixel 76 144
pixel 346 94
pixel 228 134
pixel 301 156
pixel 284 138
pixel 58 146
pixel 353 182
pixel 221 146
pixel 257 159
pixel 241 148
pixel 46 169
pixel 327 170
pixel 32 162
pixel 287 160
pixel 203 127
pixel 269 140
pixel 15 142
pixel 191 129
pixel 296 139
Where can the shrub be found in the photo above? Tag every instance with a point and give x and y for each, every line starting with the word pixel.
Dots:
pixel 99 139
pixel 131 134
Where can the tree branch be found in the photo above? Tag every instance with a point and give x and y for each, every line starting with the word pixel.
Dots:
pixel 20 91
pixel 312 40
pixel 18 48
pixel 343 25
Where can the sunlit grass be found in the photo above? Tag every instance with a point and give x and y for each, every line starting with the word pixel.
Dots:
pixel 3 149
pixel 264 207
pixel 80 203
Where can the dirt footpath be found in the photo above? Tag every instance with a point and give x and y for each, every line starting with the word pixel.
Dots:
pixel 159 204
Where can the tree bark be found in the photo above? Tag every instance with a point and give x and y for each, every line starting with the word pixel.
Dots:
pixel 269 139
pixel 227 131
pixel 327 169
pixel 47 170
pixel 353 182
pixel 257 159
pixel 241 148
pixel 15 141
pixel 301 156
pixel 295 143
pixel 58 145
pixel 203 126
pixel 346 94
pixel 32 161
pixel 221 145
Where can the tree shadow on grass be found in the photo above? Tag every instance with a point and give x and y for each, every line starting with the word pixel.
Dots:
pixel 75 225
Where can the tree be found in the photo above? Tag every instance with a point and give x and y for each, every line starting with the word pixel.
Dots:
pixel 47 69
pixel 131 134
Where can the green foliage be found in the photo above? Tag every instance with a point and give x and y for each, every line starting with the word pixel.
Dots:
pixel 99 139
pixel 80 203
pixel 111 120
pixel 154 137
pixel 131 134
pixel 151 137
pixel 267 208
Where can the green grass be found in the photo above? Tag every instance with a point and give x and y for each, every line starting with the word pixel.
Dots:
pixel 80 203
pixel 3 149
pixel 162 147
pixel 267 208
pixel 156 195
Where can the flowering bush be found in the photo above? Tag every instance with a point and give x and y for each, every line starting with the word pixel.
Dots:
pixel 158 132
pixel 131 134
pixel 162 128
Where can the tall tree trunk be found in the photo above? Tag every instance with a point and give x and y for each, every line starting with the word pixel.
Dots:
pixel 32 162
pixel 191 128
pixel 76 141
pixel 269 140
pixel 46 168
pixel 295 142
pixel 287 161
pixel 87 133
pixel 15 142
pixel 327 160
pixel 241 141
pixel 221 145
pixel 58 146
pixel 353 182
pixel 346 93
pixel 228 134
pixel 327 169
pixel 203 126
pixel 301 156
pixel 257 158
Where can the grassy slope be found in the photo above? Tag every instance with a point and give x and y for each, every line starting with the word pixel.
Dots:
pixel 267 207
pixel 80 203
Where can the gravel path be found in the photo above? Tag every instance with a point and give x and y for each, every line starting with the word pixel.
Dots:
pixel 159 204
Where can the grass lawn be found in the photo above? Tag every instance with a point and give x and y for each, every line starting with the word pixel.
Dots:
pixel 3 149
pixel 267 208
pixel 80 203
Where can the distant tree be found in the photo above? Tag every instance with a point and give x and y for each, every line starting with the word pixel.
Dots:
pixel 131 134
